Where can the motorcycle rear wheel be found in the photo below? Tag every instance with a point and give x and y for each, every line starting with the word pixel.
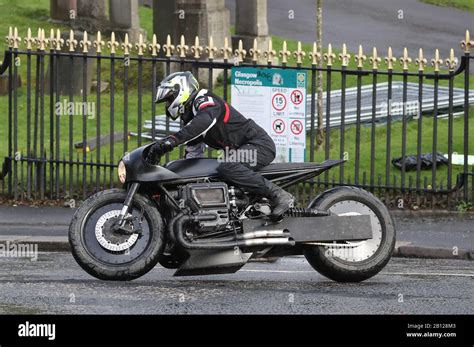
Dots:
pixel 353 261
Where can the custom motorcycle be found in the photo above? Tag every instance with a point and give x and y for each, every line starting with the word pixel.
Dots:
pixel 184 217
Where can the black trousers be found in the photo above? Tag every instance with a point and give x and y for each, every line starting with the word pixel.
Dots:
pixel 243 173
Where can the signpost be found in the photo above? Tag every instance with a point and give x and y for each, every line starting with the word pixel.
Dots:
pixel 276 100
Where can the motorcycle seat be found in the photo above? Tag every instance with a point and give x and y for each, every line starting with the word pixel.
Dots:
pixel 207 167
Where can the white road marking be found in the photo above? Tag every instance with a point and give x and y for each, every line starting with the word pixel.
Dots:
pixel 427 274
pixel 277 271
pixel 382 273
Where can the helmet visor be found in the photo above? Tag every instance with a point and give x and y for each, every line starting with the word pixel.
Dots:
pixel 164 93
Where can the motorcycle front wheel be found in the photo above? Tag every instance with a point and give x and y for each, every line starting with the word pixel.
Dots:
pixel 353 261
pixel 107 254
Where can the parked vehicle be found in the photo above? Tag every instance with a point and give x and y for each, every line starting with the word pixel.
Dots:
pixel 184 217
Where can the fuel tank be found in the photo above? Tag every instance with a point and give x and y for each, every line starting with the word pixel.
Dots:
pixel 138 170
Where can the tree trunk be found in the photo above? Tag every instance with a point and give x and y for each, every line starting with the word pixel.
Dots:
pixel 319 76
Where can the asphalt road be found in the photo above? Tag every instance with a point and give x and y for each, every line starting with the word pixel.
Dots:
pixel 55 284
pixel 372 23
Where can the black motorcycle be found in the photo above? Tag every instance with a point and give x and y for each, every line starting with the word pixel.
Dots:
pixel 184 217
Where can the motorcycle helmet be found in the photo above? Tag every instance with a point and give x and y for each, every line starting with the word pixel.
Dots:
pixel 176 90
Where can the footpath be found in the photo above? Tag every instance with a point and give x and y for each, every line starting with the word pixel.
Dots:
pixel 420 234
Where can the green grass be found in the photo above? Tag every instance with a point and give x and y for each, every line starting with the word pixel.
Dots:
pixel 146 20
pixel 381 152
pixel 466 5
pixel 22 15
pixel 25 14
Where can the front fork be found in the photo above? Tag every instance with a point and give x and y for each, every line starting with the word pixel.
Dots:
pixel 120 225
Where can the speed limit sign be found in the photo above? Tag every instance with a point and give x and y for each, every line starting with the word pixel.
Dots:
pixel 279 102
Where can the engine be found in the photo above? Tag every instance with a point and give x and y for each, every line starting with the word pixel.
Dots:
pixel 204 198
pixel 215 198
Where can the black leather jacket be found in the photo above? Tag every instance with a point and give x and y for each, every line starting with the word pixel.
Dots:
pixel 212 121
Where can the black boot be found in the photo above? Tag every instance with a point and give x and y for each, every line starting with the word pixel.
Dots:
pixel 281 200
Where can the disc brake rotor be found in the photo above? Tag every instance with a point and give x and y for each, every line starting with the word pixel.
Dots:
pixel 109 239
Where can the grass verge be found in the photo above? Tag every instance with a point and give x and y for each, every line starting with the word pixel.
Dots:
pixel 465 5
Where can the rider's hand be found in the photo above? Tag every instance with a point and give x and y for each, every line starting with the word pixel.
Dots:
pixel 159 148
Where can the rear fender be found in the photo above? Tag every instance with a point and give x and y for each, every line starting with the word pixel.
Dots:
pixel 291 178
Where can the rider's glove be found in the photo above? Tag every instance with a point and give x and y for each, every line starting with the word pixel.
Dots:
pixel 161 147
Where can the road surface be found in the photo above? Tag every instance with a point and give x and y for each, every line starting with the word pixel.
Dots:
pixel 55 284
pixel 379 23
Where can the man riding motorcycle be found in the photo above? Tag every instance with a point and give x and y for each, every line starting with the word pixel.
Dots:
pixel 210 120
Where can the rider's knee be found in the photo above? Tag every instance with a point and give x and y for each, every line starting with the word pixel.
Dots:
pixel 227 169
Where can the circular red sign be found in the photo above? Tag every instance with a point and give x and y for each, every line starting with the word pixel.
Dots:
pixel 278 126
pixel 296 97
pixel 296 127
pixel 279 102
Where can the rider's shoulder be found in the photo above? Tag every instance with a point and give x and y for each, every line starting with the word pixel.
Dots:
pixel 204 99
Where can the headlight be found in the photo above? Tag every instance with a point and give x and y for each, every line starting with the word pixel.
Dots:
pixel 122 172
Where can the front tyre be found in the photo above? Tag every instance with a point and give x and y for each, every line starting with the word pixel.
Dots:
pixel 106 254
pixel 353 261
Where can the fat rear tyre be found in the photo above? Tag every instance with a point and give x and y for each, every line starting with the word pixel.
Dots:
pixel 354 264
pixel 119 264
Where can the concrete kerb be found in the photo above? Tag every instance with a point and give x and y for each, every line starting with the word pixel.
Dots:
pixel 402 249
pixel 61 244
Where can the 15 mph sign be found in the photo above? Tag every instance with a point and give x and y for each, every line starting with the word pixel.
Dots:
pixel 276 100
pixel 279 102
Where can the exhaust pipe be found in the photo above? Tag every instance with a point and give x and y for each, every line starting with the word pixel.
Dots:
pixel 270 242
pixel 263 233
pixel 181 221
pixel 252 235
pixel 171 224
